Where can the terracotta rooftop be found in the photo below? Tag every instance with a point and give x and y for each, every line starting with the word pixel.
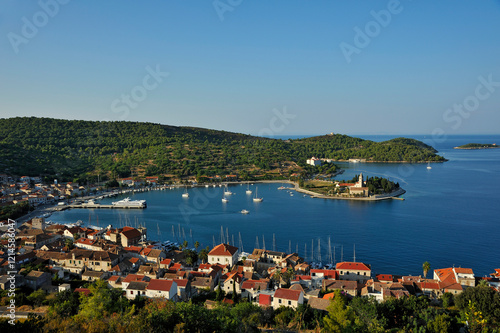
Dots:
pixel 163 285
pixel 358 266
pixel 264 299
pixel 287 294
pixel 223 250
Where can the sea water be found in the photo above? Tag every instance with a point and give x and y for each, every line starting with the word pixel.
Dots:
pixel 450 216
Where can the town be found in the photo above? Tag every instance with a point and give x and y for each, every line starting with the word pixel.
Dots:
pixel 53 257
pixel 36 255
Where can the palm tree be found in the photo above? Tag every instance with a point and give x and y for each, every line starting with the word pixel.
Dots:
pixel 196 245
pixel 203 256
pixel 426 268
pixel 483 283
pixel 277 275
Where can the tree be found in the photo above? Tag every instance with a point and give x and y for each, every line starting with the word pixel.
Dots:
pixel 341 317
pixel 219 294
pixel 447 299
pixel 37 297
pixel 426 267
pixel 483 283
pixel 440 324
pixel 203 256
pixel 196 245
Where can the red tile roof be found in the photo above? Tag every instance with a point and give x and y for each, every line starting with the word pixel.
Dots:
pixel 357 266
pixel 264 299
pixel 429 285
pixel 82 290
pixel 203 266
pixel 460 270
pixel 331 273
pixel 176 267
pixel 85 241
pixel 166 261
pixel 223 250
pixel 136 249
pixel 131 233
pixel 163 285
pixel 329 296
pixel 385 277
pixel 182 282
pixel 287 294
pixel 135 277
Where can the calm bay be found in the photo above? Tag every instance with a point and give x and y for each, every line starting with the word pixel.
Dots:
pixel 450 216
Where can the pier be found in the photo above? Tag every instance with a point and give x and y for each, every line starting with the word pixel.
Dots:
pixel 99 206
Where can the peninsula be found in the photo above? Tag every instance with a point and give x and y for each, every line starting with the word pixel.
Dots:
pixel 478 146
pixel 86 152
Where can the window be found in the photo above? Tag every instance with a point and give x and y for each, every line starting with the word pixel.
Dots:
pixel 279 301
pixel 289 302
pixel 358 273
pixel 131 292
pixel 365 273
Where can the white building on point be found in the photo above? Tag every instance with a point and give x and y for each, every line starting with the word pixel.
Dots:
pixel 314 161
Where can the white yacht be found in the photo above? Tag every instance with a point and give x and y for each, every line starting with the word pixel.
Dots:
pixel 248 191
pixel 256 198
pixel 244 211
pixel 227 192
pixel 130 203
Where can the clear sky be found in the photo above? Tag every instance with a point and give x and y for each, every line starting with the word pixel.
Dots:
pixel 258 67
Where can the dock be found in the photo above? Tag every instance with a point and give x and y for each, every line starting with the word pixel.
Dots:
pixel 99 206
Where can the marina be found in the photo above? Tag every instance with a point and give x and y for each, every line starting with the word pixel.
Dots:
pixel 416 233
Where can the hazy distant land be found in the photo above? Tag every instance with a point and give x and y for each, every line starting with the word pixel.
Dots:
pixel 478 146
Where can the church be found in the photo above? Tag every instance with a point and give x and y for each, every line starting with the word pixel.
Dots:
pixel 359 187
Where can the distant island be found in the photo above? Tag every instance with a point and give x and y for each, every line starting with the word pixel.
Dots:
pixel 98 151
pixel 478 146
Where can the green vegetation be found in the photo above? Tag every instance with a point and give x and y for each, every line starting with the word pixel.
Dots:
pixel 81 151
pixel 478 146
pixel 379 185
pixel 15 211
pixel 106 310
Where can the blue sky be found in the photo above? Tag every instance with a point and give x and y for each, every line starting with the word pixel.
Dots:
pixel 271 68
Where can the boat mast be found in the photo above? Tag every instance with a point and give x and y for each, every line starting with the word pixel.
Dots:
pixel 240 243
pixel 319 250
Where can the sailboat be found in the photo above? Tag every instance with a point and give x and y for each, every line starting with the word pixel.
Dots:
pixel 256 198
pixel 249 191
pixel 429 166
pixel 224 199
pixel 185 194
pixel 227 192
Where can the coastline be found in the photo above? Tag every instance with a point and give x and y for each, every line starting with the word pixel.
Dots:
pixel 50 208
pixel 313 194
pixel 474 148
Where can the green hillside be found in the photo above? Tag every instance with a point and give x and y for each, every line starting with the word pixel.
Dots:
pixel 70 149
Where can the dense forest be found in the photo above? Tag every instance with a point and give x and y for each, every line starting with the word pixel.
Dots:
pixel 82 150
pixel 106 310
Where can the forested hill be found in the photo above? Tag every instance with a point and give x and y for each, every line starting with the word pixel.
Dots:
pixel 75 148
